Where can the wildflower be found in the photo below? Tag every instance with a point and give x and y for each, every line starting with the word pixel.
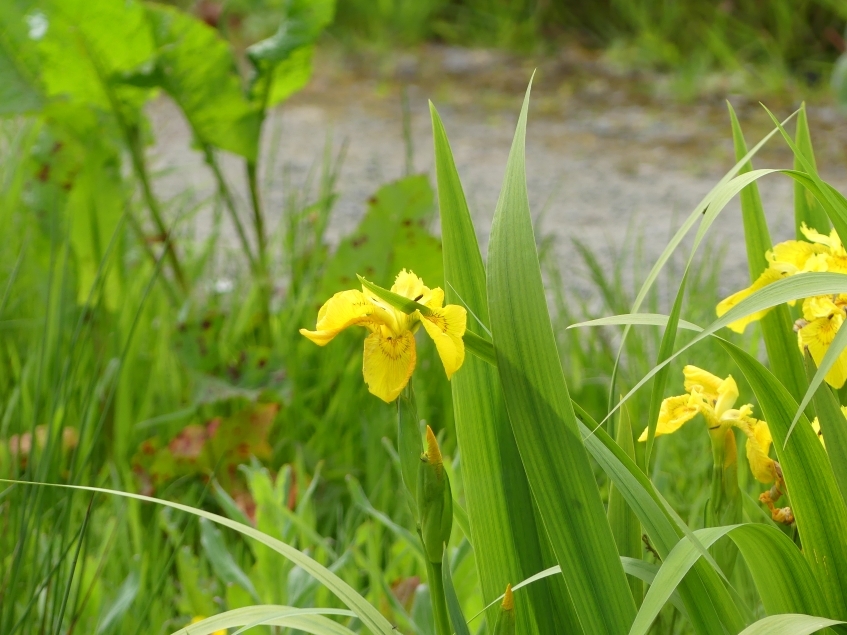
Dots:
pixel 821 253
pixel 822 317
pixel 200 618
pixel 390 354
pixel 715 399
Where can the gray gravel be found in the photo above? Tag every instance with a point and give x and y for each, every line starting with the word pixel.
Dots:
pixel 603 162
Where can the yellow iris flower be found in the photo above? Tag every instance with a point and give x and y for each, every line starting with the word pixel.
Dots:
pixel 715 398
pixel 822 315
pixel 390 354
pixel 821 253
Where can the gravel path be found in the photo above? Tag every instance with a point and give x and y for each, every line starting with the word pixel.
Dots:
pixel 606 158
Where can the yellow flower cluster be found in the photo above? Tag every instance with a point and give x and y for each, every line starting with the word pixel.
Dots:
pixel 715 398
pixel 822 315
pixel 390 354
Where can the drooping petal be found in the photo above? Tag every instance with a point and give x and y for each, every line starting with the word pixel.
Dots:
pixel 675 411
pixel 832 241
pixel 345 308
pixel 817 336
pixel 446 327
pixel 758 445
pixel 697 378
pixel 769 276
pixel 388 363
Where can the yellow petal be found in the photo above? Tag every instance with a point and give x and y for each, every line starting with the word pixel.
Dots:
pixel 816 426
pixel 817 336
pixel 409 286
pixel 697 378
pixel 446 327
pixel 819 306
pixel 758 445
pixel 675 411
pixel 792 256
pixel 435 298
pixel 388 363
pixel 727 394
pixel 832 241
pixel 769 276
pixel 344 309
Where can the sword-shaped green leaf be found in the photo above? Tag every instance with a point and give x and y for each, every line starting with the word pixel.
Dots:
pixel 540 411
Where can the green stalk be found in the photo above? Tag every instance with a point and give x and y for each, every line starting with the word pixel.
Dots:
pixel 439 601
pixel 226 195
pixel 130 134
pixel 152 203
pixel 258 216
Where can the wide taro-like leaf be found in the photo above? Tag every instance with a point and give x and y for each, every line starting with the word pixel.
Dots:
pixel 195 66
pixel 392 235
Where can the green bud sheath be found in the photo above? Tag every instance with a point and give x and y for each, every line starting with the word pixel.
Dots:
pixel 435 500
pixel 506 619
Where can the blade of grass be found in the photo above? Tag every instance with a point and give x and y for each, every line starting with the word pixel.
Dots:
pixel 780 342
pixel 806 208
pixel 369 616
pixel 815 499
pixel 834 429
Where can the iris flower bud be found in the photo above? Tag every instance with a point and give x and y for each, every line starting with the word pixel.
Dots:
pixel 435 500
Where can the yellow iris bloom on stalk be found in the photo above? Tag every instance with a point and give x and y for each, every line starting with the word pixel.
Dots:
pixel 822 315
pixel 390 354
pixel 714 398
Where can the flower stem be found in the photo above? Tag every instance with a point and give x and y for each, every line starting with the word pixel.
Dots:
pixel 439 601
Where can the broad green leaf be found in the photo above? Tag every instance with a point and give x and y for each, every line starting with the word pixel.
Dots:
pixel 306 620
pixel 122 602
pixel 369 616
pixel 283 61
pixel 454 609
pixel 221 560
pixel 782 576
pixel 833 428
pixel 807 209
pixel 657 394
pixel 508 542
pixel 815 499
pixel 780 342
pixel 624 523
pixel 195 66
pixel 646 572
pixel 540 411
pixel 357 494
pixel 635 319
pixel 709 606
pixel 791 624
pixel 18 95
pixel 87 43
pixel 369 250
